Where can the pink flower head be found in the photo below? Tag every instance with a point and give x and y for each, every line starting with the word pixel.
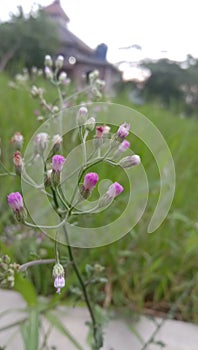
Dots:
pixel 90 181
pixel 17 159
pixel 15 201
pixel 102 130
pixel 59 282
pixel 57 163
pixel 124 146
pixel 114 190
pixel 123 131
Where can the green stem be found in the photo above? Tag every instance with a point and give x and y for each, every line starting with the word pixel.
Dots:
pixel 61 197
pixel 82 284
pixel 7 174
pixel 77 93
pixel 44 226
pixel 55 198
pixel 61 108
pixel 7 171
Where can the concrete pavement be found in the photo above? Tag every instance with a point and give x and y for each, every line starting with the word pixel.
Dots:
pixel 120 334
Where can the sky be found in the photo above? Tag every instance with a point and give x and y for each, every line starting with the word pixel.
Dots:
pixel 161 28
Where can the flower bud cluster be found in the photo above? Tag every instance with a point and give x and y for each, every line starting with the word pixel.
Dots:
pixel 36 92
pixel 82 119
pixel 7 271
pixel 123 145
pixel 50 74
pixel 96 84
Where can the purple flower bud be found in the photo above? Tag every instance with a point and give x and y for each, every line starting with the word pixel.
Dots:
pixel 130 161
pixel 90 181
pixel 114 190
pixel 15 201
pixel 123 131
pixel 124 146
pixel 57 163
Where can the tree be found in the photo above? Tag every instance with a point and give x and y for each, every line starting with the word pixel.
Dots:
pixel 166 81
pixel 26 40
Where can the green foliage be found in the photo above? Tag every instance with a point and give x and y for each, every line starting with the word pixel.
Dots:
pixel 25 41
pixel 171 83
pixel 165 81
pixel 25 287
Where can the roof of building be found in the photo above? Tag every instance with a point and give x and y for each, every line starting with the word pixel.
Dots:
pixel 71 39
pixel 55 9
pixel 71 44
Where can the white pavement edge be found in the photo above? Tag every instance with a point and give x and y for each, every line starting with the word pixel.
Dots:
pixel 120 333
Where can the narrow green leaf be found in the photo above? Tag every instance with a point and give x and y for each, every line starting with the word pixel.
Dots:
pixel 26 289
pixel 30 330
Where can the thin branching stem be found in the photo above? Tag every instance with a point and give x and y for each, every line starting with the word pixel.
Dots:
pixel 28 264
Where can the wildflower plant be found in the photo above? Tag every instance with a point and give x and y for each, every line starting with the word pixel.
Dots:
pixel 72 172
pixel 65 192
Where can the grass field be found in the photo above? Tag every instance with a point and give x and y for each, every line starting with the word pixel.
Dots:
pixel 147 271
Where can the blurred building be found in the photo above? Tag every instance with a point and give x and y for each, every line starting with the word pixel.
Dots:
pixel 80 59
